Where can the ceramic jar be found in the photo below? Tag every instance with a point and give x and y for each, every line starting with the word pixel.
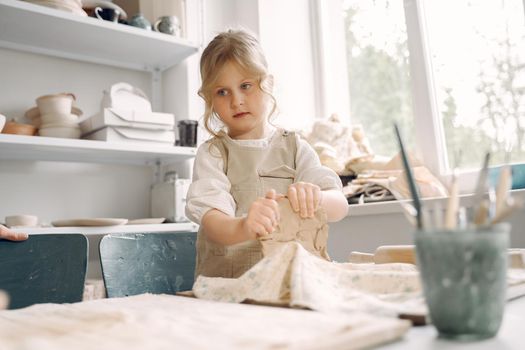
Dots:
pixel 169 25
pixel 140 21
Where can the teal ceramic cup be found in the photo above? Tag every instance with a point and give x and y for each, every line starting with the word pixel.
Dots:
pixel 463 273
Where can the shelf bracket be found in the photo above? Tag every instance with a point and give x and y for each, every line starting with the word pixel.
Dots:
pixel 157 172
pixel 156 89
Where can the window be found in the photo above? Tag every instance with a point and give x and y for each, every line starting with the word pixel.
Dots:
pixel 478 58
pixel 378 71
pixel 451 72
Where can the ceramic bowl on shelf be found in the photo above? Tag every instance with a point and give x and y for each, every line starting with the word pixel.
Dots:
pixel 21 220
pixel 19 129
pixel 73 6
pixel 71 119
pixel 66 131
pixel 33 115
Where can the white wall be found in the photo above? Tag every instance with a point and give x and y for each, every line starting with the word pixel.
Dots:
pixel 364 233
pixel 56 190
pixel 26 76
pixel 285 37
pixel 284 33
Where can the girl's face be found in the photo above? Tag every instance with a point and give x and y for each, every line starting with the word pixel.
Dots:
pixel 242 106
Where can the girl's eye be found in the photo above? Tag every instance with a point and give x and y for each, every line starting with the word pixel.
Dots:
pixel 246 86
pixel 222 92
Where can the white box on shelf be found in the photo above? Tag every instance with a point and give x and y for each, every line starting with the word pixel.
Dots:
pixel 128 118
pixel 132 135
pixel 168 200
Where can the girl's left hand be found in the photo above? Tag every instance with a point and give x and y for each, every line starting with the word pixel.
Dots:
pixel 304 198
pixel 6 233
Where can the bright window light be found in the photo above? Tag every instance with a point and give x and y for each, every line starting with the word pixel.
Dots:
pixel 378 71
pixel 478 59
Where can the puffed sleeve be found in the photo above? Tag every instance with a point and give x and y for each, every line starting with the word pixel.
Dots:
pixel 309 168
pixel 210 187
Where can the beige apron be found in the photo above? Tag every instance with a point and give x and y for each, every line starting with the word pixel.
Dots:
pixel 252 171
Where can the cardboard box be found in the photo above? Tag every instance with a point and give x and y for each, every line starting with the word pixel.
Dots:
pixel 133 135
pixel 129 119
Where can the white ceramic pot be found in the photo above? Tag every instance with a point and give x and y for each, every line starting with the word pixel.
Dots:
pixel 60 130
pixel 59 119
pixel 55 104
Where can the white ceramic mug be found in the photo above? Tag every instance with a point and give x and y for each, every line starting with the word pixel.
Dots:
pixel 107 14
pixel 2 121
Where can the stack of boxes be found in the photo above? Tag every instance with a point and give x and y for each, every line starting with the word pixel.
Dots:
pixel 126 116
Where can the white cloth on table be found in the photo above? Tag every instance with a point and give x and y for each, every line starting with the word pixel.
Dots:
pixel 291 276
pixel 160 322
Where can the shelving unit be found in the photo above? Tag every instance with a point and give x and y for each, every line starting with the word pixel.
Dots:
pixel 72 150
pixel 38 29
pixel 42 30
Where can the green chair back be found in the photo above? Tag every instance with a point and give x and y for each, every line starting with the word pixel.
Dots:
pixel 157 263
pixel 45 268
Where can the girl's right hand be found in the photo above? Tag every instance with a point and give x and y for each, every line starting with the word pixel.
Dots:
pixel 263 216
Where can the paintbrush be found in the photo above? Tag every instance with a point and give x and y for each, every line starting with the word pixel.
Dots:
pixel 452 210
pixel 451 213
pixel 481 207
pixel 410 179
pixel 502 190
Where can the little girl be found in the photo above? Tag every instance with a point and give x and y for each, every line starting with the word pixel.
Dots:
pixel 241 173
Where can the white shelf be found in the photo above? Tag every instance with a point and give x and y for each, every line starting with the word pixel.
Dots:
pixel 38 29
pixel 16 147
pixel 102 230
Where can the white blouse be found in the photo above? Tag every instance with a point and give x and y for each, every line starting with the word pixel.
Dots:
pixel 210 188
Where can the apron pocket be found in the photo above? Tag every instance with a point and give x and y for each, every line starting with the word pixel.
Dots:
pixel 278 178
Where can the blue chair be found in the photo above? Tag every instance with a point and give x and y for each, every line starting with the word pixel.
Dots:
pixel 45 268
pixel 158 263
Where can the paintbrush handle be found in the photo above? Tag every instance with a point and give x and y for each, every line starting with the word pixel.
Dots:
pixel 510 206
pixel 481 214
pixel 395 253
pixel 451 214
pixel 410 178
pixel 504 185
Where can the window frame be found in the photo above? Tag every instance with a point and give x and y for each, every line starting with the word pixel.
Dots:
pixel 429 134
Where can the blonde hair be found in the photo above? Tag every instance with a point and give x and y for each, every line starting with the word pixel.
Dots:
pixel 241 48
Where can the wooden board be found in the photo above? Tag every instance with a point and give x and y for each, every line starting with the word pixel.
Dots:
pixel 136 263
pixel 407 254
pixel 46 268
pixel 395 253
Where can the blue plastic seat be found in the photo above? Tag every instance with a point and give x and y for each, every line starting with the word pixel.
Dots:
pixel 157 263
pixel 46 268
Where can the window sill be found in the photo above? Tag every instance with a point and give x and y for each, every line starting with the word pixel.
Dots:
pixel 394 207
